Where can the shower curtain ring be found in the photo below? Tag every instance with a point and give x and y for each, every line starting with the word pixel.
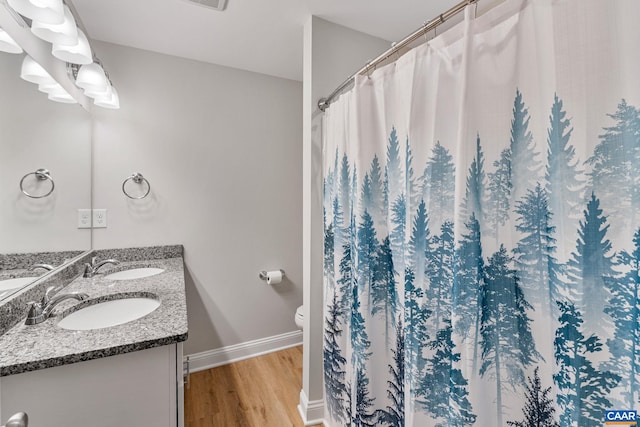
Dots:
pixel 397 51
pixel 424 29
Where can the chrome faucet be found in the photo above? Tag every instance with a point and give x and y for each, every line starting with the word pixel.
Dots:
pixel 91 269
pixel 41 311
pixel 47 267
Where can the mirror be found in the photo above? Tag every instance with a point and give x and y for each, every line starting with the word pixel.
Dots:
pixel 39 233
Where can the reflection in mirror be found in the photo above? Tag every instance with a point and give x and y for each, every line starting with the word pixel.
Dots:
pixel 39 231
pixel 20 269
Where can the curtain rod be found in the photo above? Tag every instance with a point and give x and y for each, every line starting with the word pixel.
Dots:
pixel 323 103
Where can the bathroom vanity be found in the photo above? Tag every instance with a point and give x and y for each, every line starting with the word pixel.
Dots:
pixel 134 389
pixel 126 372
pixel 103 376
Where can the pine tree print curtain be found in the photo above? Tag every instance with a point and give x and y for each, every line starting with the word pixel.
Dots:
pixel 482 225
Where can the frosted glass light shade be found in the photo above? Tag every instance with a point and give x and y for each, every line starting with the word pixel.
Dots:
pixel 57 93
pixel 80 53
pixel 63 98
pixel 64 34
pixel 49 87
pixel 8 44
pixel 91 78
pixel 33 72
pixel 48 11
pixel 112 102
pixel 103 94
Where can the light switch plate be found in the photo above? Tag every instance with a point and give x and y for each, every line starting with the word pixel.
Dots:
pixel 99 218
pixel 84 218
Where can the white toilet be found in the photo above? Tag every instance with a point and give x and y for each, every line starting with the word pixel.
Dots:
pixel 300 317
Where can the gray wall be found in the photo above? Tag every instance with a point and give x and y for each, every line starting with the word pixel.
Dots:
pixel 331 54
pixel 222 149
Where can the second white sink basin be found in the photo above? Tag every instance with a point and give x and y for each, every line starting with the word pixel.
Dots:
pixel 134 273
pixel 17 282
pixel 109 313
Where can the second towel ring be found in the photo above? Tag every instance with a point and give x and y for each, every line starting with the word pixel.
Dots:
pixel 41 175
pixel 138 179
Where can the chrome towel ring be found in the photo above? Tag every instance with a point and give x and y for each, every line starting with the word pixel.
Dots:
pixel 18 420
pixel 138 179
pixel 41 175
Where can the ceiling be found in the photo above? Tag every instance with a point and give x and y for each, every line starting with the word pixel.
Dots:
pixel 255 35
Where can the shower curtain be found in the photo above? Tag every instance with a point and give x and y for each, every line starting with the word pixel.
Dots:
pixel 482 225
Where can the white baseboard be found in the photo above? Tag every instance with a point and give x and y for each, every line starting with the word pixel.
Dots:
pixel 312 413
pixel 234 353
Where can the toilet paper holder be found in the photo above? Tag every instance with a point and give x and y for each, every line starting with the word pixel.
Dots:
pixel 263 274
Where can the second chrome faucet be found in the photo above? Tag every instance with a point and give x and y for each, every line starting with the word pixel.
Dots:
pixel 91 269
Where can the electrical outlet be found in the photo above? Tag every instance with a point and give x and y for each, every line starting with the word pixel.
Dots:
pixel 99 218
pixel 84 218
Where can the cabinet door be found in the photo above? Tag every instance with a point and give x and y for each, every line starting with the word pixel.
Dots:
pixel 133 389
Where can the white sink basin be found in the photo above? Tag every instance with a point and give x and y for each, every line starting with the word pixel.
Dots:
pixel 134 273
pixel 109 313
pixel 17 282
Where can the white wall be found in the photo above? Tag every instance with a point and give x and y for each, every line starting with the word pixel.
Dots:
pixel 222 149
pixel 331 54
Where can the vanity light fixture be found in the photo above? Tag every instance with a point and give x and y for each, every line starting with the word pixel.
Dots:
pixel 112 101
pixel 64 34
pixel 8 44
pixel 33 72
pixel 92 78
pixel 47 11
pixel 54 22
pixel 80 53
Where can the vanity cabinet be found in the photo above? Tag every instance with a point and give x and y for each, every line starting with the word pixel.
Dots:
pixel 142 388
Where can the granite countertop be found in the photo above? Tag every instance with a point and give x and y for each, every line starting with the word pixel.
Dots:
pixel 28 348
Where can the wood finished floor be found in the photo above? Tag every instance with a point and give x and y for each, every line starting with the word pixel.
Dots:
pixel 260 392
